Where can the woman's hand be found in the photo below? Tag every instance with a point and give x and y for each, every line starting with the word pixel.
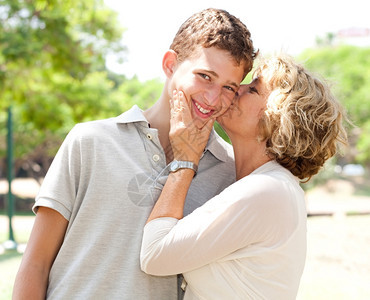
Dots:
pixel 187 140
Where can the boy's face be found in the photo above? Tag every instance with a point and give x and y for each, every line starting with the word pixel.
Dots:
pixel 209 80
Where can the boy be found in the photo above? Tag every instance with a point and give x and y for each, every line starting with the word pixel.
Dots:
pixel 107 175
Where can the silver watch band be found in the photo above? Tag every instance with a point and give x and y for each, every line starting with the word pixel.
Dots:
pixel 182 164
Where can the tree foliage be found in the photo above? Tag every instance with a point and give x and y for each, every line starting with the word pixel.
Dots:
pixel 348 69
pixel 53 74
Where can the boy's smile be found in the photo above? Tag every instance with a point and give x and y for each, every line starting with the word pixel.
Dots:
pixel 201 111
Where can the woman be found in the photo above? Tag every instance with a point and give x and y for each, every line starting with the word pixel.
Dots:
pixel 249 242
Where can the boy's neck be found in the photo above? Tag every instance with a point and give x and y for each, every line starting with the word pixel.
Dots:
pixel 158 117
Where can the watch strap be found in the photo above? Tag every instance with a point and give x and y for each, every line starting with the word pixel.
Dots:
pixel 182 164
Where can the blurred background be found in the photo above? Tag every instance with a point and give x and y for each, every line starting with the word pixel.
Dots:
pixel 64 62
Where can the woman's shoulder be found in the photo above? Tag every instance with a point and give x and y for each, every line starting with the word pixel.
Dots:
pixel 274 175
pixel 268 185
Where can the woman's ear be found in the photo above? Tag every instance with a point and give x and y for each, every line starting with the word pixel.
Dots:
pixel 169 62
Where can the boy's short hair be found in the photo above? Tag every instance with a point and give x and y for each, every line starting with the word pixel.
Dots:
pixel 215 28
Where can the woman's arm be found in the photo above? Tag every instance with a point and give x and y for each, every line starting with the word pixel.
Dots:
pixel 45 241
pixel 188 143
pixel 248 213
pixel 172 199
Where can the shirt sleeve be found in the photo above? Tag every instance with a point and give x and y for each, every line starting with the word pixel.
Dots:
pixel 256 209
pixel 59 188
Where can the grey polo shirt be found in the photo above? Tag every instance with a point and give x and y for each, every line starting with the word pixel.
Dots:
pixel 105 180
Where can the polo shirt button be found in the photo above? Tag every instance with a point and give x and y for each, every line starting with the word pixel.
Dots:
pixel 149 136
pixel 156 157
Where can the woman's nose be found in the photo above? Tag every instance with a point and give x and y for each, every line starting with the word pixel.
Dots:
pixel 243 89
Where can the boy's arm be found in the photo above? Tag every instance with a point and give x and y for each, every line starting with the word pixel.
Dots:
pixel 45 241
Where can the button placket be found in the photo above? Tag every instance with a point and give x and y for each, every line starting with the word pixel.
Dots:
pixel 154 150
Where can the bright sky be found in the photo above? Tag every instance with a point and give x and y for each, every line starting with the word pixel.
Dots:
pixel 288 25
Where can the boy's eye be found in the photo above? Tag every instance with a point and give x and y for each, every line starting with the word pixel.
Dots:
pixel 205 76
pixel 229 88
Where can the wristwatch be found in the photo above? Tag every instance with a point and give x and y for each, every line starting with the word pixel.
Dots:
pixel 181 164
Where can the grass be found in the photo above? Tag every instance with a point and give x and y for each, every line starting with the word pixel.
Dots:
pixel 11 259
pixel 9 264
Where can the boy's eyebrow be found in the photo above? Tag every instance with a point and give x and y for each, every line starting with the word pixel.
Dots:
pixel 229 82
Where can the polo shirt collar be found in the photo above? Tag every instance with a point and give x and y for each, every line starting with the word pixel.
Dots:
pixel 216 145
pixel 219 147
pixel 134 114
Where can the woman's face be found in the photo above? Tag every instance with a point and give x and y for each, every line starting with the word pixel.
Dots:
pixel 244 117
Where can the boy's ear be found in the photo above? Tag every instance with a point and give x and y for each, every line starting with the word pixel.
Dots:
pixel 169 62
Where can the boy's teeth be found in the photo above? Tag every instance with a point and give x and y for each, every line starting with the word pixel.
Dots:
pixel 201 109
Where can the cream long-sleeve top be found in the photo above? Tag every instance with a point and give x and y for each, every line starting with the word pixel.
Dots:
pixel 249 242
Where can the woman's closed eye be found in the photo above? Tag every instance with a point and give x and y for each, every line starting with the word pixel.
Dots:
pixel 252 89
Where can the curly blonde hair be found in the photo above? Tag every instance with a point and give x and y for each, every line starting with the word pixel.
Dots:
pixel 303 122
pixel 215 28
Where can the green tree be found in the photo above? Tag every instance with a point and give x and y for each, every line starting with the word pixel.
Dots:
pixel 52 70
pixel 142 94
pixel 348 69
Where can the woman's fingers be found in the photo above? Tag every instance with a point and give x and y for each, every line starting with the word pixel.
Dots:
pixel 184 108
pixel 180 111
pixel 207 128
pixel 187 139
pixel 180 107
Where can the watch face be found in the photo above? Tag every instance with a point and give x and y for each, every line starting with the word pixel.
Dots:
pixel 174 165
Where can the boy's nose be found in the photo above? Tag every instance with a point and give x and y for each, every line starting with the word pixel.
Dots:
pixel 212 95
